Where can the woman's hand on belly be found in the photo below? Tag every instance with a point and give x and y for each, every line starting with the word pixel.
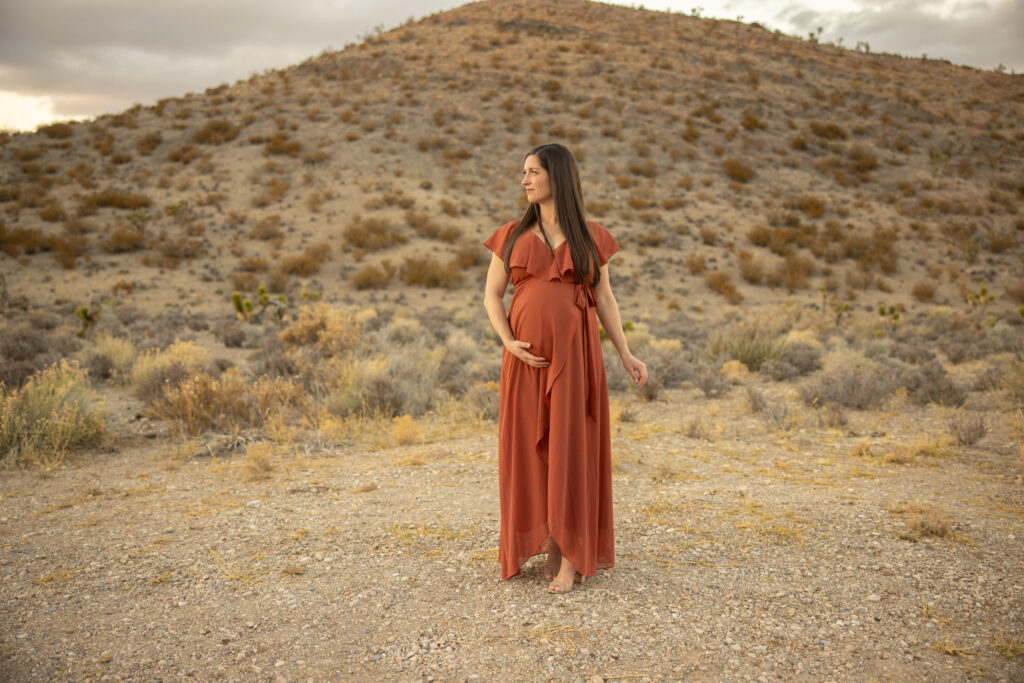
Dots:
pixel 519 350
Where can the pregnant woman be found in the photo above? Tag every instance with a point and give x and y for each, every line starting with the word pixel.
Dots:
pixel 554 442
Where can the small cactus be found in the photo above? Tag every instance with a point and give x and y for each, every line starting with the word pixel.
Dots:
pixel 244 307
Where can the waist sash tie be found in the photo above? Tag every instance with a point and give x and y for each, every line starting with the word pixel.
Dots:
pixel 584 298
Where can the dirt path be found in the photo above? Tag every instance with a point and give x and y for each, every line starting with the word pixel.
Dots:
pixel 751 553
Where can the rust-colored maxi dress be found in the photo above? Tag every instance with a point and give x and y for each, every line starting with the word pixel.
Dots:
pixel 554 442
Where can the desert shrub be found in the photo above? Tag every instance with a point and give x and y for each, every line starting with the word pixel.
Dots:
pixel 306 263
pixel 372 234
pixel 281 144
pixel 923 291
pixel 148 142
pixel 651 238
pixel 274 190
pixel 272 359
pixel 695 263
pixel 123 240
pixel 665 359
pixel 226 403
pixel 794 271
pixel 832 416
pixel 15 241
pixel 482 398
pixel 51 212
pixel 57 131
pixel 468 255
pixel 851 381
pixel 185 154
pixel 721 282
pixel 156 370
pixel 428 272
pixel 793 360
pixel 861 161
pixel 267 229
pixel 53 413
pixel 755 400
pixel 810 205
pixel 750 270
pixel 216 132
pixel 233 336
pixel 646 168
pixel 111 358
pixel 748 343
pixel 968 429
pixel 929 383
pixel 759 235
pixel 415 371
pixel 962 345
pixel 174 249
pixel 737 170
pixel 1013 377
pixel 1015 291
pixel 709 235
pixel 456 369
pixel 372 276
pixel 21 342
pixel 383 396
pixel 710 382
pixel 111 198
pixel 650 390
pixel 999 242
pixel 828 131
pixel 333 332
pixel 911 352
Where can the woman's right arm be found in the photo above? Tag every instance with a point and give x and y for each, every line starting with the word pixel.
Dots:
pixel 494 294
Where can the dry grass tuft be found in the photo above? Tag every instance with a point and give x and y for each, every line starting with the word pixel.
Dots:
pixel 923 520
pixel 258 461
pixel 111 198
pixel 721 282
pixel 968 429
pixel 216 132
pixel 53 413
pixel 158 369
pixel 737 170
pixel 333 332
pixel 372 234
pixel 427 271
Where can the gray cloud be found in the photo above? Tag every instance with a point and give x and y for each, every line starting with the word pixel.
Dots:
pixel 104 55
pixel 979 34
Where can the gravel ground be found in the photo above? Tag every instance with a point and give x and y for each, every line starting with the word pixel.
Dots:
pixel 875 552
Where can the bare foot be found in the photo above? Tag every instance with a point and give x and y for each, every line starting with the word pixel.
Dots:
pixel 554 561
pixel 563 582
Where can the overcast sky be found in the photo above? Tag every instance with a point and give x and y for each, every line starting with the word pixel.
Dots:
pixel 64 59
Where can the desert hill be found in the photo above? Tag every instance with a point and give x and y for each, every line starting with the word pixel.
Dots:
pixel 720 154
pixel 822 267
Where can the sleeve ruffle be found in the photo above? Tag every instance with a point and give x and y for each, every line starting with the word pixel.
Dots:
pixel 496 242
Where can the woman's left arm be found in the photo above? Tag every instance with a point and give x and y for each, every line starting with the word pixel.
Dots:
pixel 608 312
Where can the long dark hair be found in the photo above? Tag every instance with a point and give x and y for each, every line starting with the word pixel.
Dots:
pixel 564 180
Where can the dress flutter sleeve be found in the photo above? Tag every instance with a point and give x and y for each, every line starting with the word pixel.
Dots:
pixel 606 244
pixel 496 242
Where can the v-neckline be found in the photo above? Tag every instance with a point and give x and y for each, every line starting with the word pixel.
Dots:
pixel 542 241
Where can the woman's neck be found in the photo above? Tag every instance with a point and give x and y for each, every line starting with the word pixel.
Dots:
pixel 548 216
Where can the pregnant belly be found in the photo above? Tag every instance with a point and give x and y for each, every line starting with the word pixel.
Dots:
pixel 544 313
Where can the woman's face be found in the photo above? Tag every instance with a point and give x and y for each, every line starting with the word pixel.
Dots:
pixel 535 180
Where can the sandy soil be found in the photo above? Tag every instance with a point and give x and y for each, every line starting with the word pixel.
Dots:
pixel 752 553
